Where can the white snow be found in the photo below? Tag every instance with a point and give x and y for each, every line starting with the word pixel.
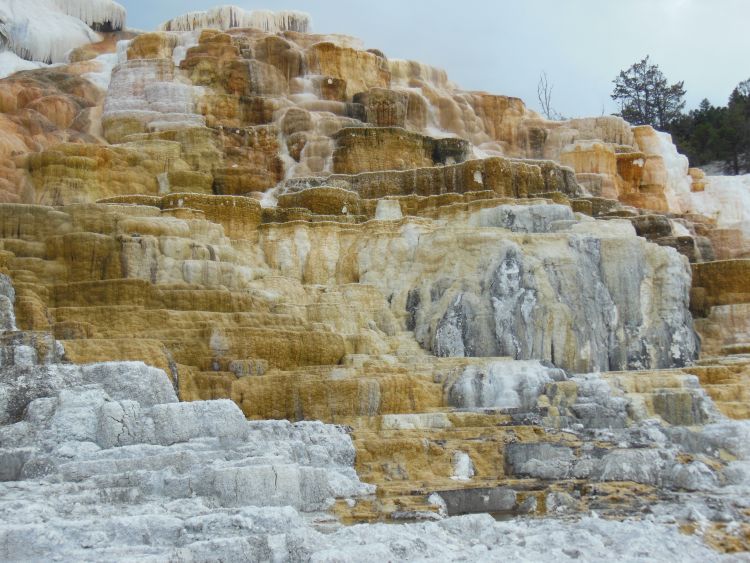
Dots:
pixel 38 30
pixel 11 63
pixel 93 12
pixel 34 32
pixel 228 17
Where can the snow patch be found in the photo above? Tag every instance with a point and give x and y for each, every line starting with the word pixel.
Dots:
pixel 39 30
pixel 98 14
pixel 10 63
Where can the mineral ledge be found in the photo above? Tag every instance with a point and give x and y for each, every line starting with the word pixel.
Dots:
pixel 267 295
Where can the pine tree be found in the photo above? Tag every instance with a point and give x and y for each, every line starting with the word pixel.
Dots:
pixel 735 131
pixel 717 134
pixel 646 98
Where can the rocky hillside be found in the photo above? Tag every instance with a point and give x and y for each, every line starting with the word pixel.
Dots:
pixel 264 291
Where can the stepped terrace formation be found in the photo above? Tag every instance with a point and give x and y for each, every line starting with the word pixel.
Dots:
pixel 270 295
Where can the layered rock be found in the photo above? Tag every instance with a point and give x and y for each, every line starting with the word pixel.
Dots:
pixel 512 280
pixel 318 232
pixel 114 438
pixel 567 301
pixel 275 107
pixel 116 429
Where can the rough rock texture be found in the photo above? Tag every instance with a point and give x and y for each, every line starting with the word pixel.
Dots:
pixel 496 309
pixel 101 461
pixel 515 281
pixel 112 437
pixel 581 301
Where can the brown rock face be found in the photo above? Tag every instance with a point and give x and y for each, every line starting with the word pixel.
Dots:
pixel 286 57
pixel 39 109
pixel 383 107
pixel 377 148
pixel 152 46
pixel 503 177
pixel 721 283
pixel 360 70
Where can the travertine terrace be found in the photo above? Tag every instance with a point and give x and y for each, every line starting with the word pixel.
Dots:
pixel 263 291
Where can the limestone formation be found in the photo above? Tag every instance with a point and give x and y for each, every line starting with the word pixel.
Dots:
pixel 262 291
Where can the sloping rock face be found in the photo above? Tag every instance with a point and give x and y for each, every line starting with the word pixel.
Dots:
pixel 101 446
pixel 275 228
pixel 112 440
pixel 577 299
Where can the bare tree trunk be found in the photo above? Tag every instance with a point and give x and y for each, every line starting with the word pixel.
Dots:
pixel 544 95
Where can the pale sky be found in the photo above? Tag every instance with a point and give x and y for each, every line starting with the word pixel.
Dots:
pixel 502 46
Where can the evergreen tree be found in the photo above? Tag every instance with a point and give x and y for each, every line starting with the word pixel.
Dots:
pixel 646 98
pixel 717 134
pixel 696 134
pixel 735 131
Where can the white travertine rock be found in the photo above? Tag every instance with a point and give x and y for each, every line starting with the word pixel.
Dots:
pixel 501 385
pixel 521 219
pixel 667 167
pixel 726 198
pixel 94 12
pixel 227 17
pixel 388 210
pixel 566 298
pixel 463 468
pixel 11 63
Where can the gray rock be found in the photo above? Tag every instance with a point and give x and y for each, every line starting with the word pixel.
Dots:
pixel 693 476
pixel 100 462
pixel 640 466
pixel 522 218
pixel 539 460
pixel 513 385
pixel 132 381
pixel 470 501
pixel 584 301
pixel 559 502
pixel 7 299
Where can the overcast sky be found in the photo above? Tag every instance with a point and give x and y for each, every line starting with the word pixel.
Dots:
pixel 502 46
